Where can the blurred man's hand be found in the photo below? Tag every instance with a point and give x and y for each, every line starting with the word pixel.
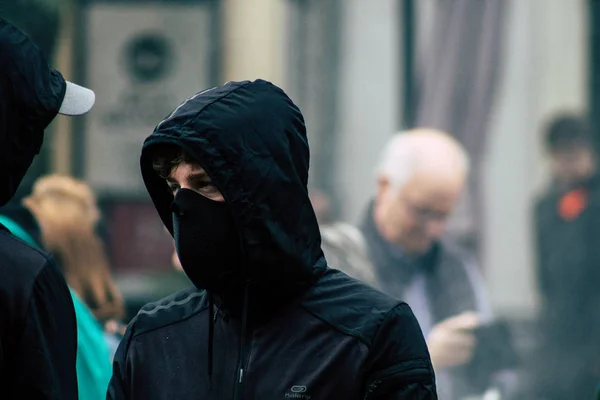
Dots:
pixel 451 342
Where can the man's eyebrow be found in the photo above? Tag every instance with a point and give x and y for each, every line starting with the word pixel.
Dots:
pixel 197 175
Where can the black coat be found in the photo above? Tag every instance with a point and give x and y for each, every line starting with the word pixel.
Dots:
pixel 568 256
pixel 38 332
pixel 312 332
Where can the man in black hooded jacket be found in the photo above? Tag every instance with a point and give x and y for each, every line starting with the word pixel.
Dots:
pixel 266 319
pixel 38 332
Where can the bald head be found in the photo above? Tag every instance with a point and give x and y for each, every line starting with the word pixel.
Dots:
pixel 427 152
pixel 421 176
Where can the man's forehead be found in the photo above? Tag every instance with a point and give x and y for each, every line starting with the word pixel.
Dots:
pixel 187 169
pixel 433 178
pixel 195 168
pixel 434 188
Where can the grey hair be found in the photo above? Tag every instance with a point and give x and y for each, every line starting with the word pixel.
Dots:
pixel 400 156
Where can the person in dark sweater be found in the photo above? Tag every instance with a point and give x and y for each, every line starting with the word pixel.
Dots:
pixel 567 233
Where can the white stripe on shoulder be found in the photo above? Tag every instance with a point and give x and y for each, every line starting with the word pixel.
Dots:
pixel 171 304
pixel 183 104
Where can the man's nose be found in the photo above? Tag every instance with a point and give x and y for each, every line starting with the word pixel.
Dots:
pixel 435 228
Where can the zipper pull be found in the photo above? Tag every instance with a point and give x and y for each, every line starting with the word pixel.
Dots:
pixel 371 389
pixel 241 375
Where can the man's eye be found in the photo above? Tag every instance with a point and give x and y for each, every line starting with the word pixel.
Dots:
pixel 207 187
pixel 202 185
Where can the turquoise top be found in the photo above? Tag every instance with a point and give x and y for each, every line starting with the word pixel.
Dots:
pixel 93 357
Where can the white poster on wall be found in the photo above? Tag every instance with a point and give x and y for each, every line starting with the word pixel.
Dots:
pixel 142 61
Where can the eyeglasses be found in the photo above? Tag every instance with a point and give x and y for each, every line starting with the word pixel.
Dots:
pixel 426 214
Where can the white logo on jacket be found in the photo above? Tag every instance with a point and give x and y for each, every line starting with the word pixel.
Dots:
pixel 297 392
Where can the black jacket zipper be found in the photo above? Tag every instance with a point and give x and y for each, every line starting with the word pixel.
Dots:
pixel 371 388
pixel 238 393
pixel 245 346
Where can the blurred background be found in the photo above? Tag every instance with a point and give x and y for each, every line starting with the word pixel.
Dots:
pixel 492 73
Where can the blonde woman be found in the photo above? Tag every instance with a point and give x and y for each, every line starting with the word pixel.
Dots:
pixel 67 214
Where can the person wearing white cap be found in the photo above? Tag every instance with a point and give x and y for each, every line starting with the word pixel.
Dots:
pixel 38 335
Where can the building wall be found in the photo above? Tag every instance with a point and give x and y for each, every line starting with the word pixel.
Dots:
pixel 369 96
pixel 254 40
pixel 545 72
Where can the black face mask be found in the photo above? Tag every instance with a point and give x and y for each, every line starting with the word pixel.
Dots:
pixel 207 241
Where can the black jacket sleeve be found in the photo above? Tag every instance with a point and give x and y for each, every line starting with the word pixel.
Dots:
pixel 46 358
pixel 119 382
pixel 399 366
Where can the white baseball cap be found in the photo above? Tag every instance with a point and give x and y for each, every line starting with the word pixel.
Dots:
pixel 77 101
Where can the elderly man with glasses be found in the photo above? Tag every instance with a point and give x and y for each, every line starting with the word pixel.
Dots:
pixel 398 248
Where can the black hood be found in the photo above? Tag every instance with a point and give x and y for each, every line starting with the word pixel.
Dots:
pixel 251 140
pixel 31 93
